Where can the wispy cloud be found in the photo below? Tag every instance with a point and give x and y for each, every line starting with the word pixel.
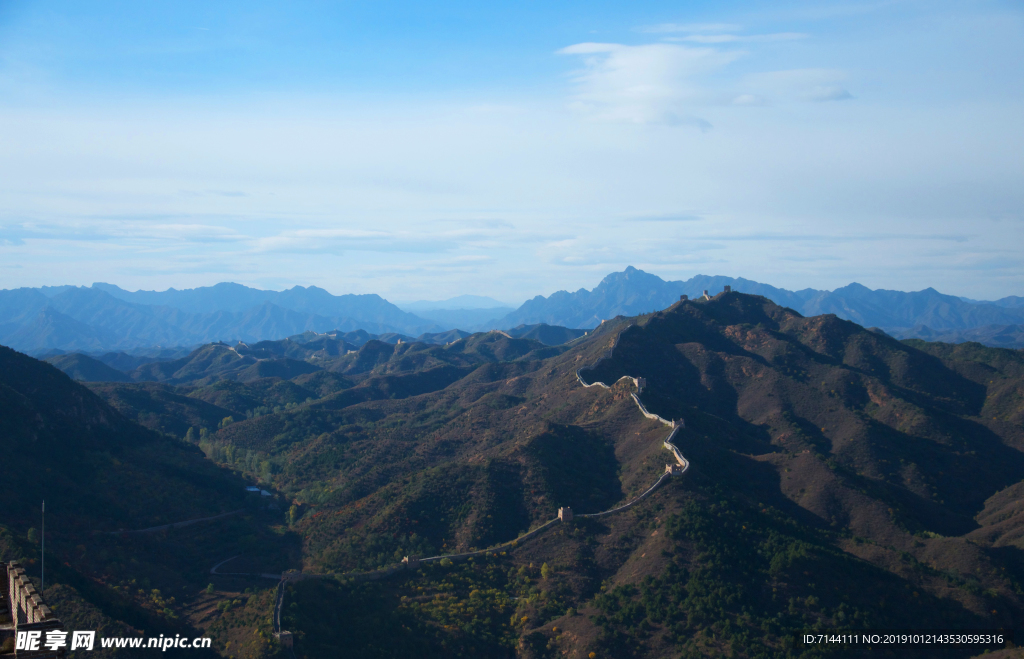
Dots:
pixel 648 84
pixel 674 83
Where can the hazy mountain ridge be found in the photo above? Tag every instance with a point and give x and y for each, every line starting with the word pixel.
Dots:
pixel 104 317
pixel 94 319
pixel 633 292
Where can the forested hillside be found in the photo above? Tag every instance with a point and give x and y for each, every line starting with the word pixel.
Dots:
pixel 838 479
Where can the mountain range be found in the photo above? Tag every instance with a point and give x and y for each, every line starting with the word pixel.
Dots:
pixel 838 479
pixel 901 314
pixel 104 317
pixel 294 356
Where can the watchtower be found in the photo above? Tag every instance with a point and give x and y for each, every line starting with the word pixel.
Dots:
pixel 728 289
pixel 565 514
pixel 674 469
pixel 684 298
pixel 411 562
pixel 706 296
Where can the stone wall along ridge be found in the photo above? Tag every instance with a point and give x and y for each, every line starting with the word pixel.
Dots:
pixel 411 562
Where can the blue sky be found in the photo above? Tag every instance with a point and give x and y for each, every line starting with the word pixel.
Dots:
pixel 424 150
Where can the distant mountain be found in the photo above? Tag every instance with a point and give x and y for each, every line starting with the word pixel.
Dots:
pixel 50 329
pixel 1011 301
pixel 364 310
pixel 630 293
pixel 896 309
pixel 105 317
pixel 634 292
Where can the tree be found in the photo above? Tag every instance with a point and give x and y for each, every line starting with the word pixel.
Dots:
pixel 190 436
pixel 545 571
pixel 33 535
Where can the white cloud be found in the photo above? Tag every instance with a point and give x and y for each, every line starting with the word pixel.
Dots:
pixel 648 84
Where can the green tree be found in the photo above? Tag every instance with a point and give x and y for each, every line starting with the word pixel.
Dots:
pixel 226 421
pixel 33 535
pixel 545 571
pixel 190 436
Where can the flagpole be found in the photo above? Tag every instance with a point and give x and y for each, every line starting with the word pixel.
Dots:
pixel 42 580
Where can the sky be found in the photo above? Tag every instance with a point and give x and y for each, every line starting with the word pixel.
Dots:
pixel 511 149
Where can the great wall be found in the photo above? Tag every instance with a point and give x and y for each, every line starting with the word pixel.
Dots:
pixel 22 607
pixel 22 610
pixel 565 514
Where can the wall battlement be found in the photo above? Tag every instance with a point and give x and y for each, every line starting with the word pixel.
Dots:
pixel 22 609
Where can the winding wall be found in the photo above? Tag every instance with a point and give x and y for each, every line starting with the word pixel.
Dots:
pixel 681 466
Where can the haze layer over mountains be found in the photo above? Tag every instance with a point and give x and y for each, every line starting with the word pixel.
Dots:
pixel 104 317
